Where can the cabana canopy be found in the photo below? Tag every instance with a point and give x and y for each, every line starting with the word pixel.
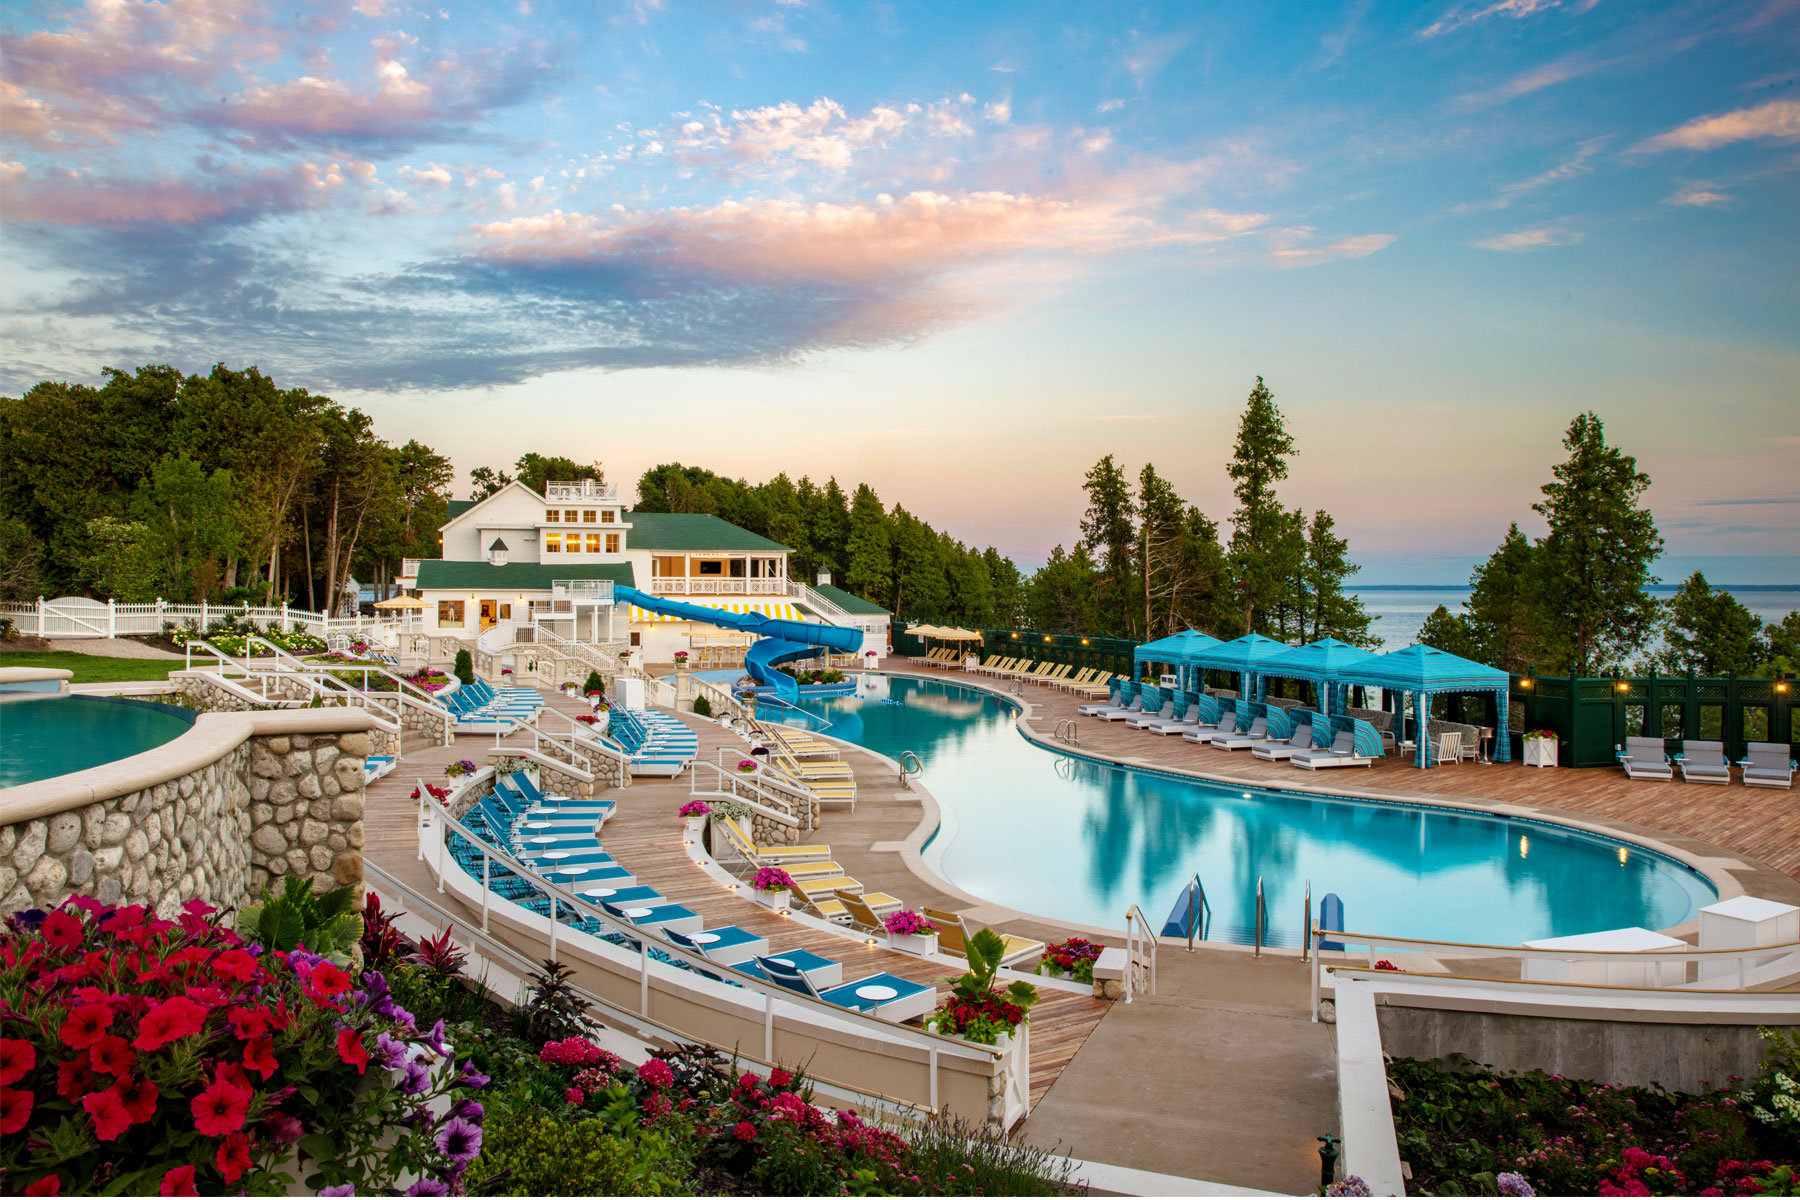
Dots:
pixel 1426 671
pixel 1243 655
pixel 1323 663
pixel 1178 649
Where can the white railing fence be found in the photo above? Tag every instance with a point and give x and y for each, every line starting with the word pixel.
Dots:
pixel 80 617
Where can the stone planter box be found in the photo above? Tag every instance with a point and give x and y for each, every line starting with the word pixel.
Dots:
pixel 1540 752
pixel 774 900
pixel 913 943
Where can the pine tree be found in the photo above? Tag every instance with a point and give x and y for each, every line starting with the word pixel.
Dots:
pixel 1262 531
pixel 871 562
pixel 1108 530
pixel 1711 632
pixel 1331 612
pixel 1599 549
pixel 1504 620
pixel 1161 530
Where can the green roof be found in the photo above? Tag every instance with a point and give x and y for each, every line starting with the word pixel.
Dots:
pixel 457 508
pixel 695 531
pixel 439 574
pixel 850 602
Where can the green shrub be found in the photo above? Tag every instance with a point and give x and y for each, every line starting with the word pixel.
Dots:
pixel 702 707
pixel 953 1157
pixel 540 1156
pixel 464 668
pixel 322 922
pixel 595 683
pixel 791 1162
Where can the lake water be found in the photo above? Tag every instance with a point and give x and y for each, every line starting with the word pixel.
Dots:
pixel 1399 611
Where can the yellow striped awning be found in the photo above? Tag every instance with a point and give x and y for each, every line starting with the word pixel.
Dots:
pixel 779 609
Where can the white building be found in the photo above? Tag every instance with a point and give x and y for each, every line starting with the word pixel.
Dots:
pixel 551 560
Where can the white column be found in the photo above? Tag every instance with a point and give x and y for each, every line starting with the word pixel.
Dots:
pixel 112 617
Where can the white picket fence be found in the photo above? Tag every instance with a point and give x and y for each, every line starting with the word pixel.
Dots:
pixel 80 617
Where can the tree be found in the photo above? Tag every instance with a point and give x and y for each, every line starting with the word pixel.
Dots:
pixel 191 523
pixel 1162 529
pixel 1061 598
pixel 1205 598
pixel 486 482
pixel 1451 633
pixel 536 470
pixel 1710 632
pixel 121 564
pixel 1262 534
pixel 870 569
pixel 1599 548
pixel 1008 588
pixel 1782 643
pixel 1331 612
pixel 20 556
pixel 1504 620
pixel 1108 529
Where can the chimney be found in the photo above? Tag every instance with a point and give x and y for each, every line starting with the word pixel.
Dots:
pixel 497 553
pixel 824 578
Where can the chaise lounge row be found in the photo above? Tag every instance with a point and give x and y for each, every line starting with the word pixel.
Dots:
pixel 1765 764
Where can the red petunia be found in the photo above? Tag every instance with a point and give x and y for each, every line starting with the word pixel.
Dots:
pixel 173 1019
pixel 281 1020
pixel 258 1056
pixel 62 930
pixel 74 1077
pixel 108 1115
pixel 233 1157
pixel 125 919
pixel 86 1025
pixel 112 1055
pixel 233 1074
pixel 139 1098
pixel 350 1049
pixel 178 1181
pixel 220 1109
pixel 235 964
pixel 49 1185
pixel 250 1022
pixel 324 982
pixel 209 997
pixel 17 1056
pixel 15 1108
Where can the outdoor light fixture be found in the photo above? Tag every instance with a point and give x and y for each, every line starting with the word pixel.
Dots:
pixel 1623 686
pixel 1046 637
pixel 1084 641
pixel 1015 637
pixel 1525 683
pixel 1781 685
pixel 869 942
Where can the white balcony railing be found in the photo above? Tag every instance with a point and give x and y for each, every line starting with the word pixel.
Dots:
pixel 409 568
pixel 719 587
pixel 583 591
pixel 581 491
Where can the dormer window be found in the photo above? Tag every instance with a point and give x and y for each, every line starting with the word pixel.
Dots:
pixel 497 553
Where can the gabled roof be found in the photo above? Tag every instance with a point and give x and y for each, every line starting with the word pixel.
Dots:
pixel 498 545
pixel 695 531
pixel 1326 658
pixel 1176 648
pixel 442 574
pixel 457 508
pixel 1239 654
pixel 850 602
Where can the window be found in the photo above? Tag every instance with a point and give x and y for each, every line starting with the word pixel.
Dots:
pixel 506 612
pixel 450 612
pixel 588 516
pixel 569 517
pixel 593 543
pixel 612 543
pixel 711 567
pixel 608 516
pixel 552 515
pixel 553 542
pixel 637 639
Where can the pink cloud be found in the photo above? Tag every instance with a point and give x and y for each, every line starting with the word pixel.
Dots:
pixel 65 198
pixel 1778 120
pixel 1292 246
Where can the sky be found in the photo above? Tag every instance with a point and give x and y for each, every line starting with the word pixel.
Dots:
pixel 956 251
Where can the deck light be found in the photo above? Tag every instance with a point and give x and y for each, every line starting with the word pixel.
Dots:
pixel 1525 683
pixel 1084 641
pixel 1781 685
pixel 1015 637
pixel 1046 637
pixel 870 942
pixel 1623 686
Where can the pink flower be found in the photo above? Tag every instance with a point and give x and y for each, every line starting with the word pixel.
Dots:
pixel 575 1096
pixel 656 1073
pixel 178 1181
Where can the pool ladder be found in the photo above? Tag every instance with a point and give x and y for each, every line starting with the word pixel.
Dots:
pixel 1260 933
pixel 1067 732
pixel 911 767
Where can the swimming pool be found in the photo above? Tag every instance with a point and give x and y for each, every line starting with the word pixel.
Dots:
pixel 1079 841
pixel 42 736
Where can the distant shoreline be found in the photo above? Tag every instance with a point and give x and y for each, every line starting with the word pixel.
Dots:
pixel 1660 587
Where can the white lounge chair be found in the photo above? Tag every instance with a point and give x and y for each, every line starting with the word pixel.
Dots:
pixel 1122 714
pixel 1341 753
pixel 1644 758
pixel 1302 739
pixel 1204 734
pixel 1189 720
pixel 1768 764
pixel 1703 762
pixel 1145 720
pixel 1254 736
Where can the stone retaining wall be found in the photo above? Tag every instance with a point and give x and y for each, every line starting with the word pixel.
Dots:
pixel 203 692
pixel 216 814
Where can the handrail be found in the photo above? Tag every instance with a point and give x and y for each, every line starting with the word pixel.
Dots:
pixel 1072 736
pixel 1140 937
pixel 1306 927
pixel 1261 928
pixel 774 814
pixel 404 686
pixel 1465 950
pixel 388 722
pixel 436 823
pixel 912 772
pixel 1199 917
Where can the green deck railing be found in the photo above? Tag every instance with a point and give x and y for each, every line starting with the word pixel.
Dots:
pixel 1593 717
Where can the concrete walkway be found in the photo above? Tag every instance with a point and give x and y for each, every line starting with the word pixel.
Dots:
pixel 110 648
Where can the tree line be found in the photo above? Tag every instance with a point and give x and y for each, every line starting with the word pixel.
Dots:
pixel 221 486
pixel 1148 563
pixel 1576 600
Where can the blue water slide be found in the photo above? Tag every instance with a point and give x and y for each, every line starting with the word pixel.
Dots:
pixel 779 640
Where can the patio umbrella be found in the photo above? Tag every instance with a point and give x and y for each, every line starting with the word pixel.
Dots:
pixel 400 602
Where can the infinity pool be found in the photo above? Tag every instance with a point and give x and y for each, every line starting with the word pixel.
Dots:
pixel 46 735
pixel 1078 841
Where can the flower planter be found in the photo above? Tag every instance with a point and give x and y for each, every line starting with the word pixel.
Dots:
pixel 774 900
pixel 1000 1043
pixel 913 943
pixel 693 829
pixel 1540 752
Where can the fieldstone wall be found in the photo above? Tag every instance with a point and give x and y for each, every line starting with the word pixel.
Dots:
pixel 609 771
pixel 769 832
pixel 203 693
pixel 306 808
pixel 267 806
pixel 551 780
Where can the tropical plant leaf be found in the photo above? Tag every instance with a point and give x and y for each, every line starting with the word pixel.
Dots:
pixel 335 902
pixel 280 926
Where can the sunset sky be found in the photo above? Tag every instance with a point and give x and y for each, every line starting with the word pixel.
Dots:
pixel 957 251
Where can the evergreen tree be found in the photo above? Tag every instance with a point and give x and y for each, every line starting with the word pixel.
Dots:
pixel 1061 598
pixel 536 470
pixel 1711 632
pixel 1504 621
pixel 870 570
pixel 1205 599
pixel 1008 588
pixel 1263 534
pixel 1451 633
pixel 1332 613
pixel 1599 549
pixel 1108 529
pixel 1782 645
pixel 828 520
pixel 1162 531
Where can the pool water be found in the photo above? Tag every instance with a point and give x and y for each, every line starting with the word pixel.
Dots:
pixel 1080 841
pixel 42 736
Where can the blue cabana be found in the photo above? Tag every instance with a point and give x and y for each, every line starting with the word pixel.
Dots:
pixel 1243 655
pixel 1320 663
pixel 1177 650
pixel 1425 672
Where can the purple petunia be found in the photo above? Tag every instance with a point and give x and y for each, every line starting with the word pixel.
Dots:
pixel 1511 1183
pixel 469 1109
pixel 339 1189
pixel 428 1187
pixel 471 1077
pixel 459 1139
pixel 417 1077
pixel 434 1037
pixel 392 1053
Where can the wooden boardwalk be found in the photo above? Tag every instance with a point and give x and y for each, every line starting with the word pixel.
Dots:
pixel 1758 826
pixel 645 836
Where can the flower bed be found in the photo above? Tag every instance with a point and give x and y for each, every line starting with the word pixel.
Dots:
pixel 694 808
pixel 1074 958
pixel 141 1055
pixel 1463 1128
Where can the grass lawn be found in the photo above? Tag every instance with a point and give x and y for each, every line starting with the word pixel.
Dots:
pixel 91 668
